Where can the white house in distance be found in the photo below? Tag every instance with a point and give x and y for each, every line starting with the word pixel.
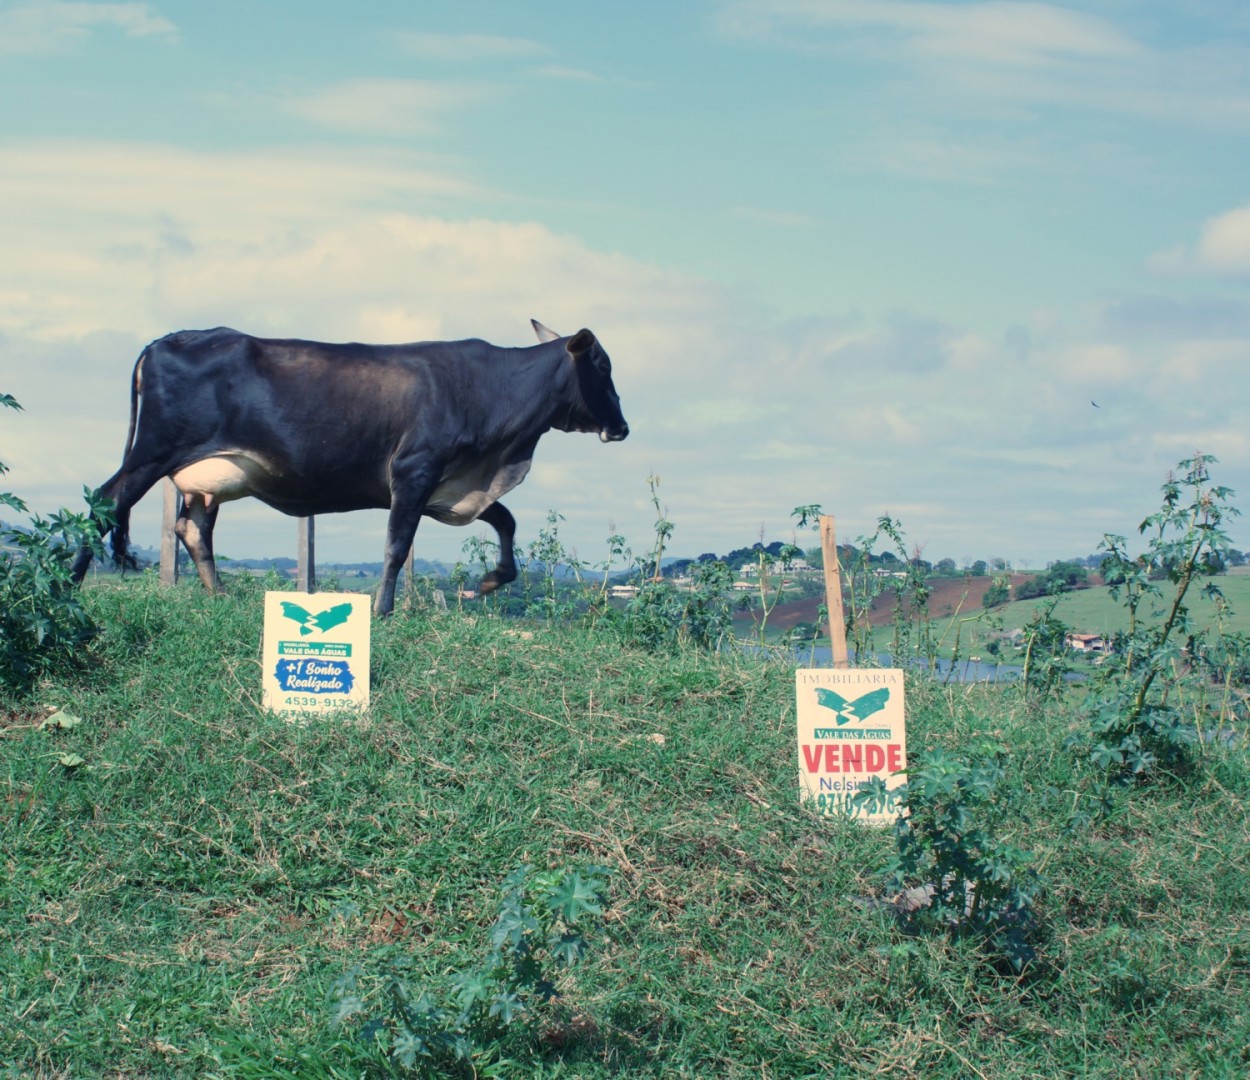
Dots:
pixel 752 569
pixel 1086 643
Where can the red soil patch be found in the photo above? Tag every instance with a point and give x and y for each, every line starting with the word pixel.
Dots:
pixel 946 597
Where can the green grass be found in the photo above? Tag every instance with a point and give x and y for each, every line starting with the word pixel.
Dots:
pixel 1095 611
pixel 180 904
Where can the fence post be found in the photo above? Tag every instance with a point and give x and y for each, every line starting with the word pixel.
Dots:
pixel 169 541
pixel 833 590
pixel 305 555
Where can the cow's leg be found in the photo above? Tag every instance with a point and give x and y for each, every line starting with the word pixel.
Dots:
pixel 195 529
pixel 124 488
pixel 504 524
pixel 401 527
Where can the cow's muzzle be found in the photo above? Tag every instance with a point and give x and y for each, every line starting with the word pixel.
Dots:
pixel 615 435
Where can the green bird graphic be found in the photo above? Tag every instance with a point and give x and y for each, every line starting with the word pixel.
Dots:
pixel 859 709
pixel 323 620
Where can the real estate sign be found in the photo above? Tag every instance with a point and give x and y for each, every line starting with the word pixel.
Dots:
pixel 316 652
pixel 850 730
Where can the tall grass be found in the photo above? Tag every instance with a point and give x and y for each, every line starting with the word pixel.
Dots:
pixel 186 878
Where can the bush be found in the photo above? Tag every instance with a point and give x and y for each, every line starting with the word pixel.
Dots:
pixel 1134 723
pixel 539 932
pixel 950 847
pixel 42 620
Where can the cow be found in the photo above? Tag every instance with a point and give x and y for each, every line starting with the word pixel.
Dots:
pixel 438 429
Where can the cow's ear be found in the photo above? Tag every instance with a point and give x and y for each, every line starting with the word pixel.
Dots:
pixel 544 334
pixel 581 342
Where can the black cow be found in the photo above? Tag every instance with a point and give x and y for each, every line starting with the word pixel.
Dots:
pixel 435 429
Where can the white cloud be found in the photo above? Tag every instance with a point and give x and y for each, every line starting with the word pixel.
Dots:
pixel 1000 32
pixel 1222 247
pixel 989 58
pixel 50 26
pixel 383 106
pixel 743 415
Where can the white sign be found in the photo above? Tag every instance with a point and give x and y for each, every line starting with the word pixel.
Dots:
pixel 316 652
pixel 851 730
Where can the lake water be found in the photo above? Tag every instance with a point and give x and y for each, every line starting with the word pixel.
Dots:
pixel 965 671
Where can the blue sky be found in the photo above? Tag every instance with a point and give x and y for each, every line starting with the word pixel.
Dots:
pixel 876 254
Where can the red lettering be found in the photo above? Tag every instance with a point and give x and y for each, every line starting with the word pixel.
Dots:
pixel 853 757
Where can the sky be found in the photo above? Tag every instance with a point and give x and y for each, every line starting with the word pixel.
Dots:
pixel 983 267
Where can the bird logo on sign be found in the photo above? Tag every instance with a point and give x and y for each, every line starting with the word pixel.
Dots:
pixel 859 709
pixel 322 621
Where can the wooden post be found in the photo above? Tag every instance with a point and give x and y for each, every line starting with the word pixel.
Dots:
pixel 305 555
pixel 833 591
pixel 169 540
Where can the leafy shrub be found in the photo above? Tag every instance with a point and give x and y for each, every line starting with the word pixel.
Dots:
pixel 1133 723
pixel 949 847
pixel 540 930
pixel 663 616
pixel 1047 659
pixel 42 619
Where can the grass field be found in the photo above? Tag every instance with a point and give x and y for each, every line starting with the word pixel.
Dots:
pixel 1095 611
pixel 186 876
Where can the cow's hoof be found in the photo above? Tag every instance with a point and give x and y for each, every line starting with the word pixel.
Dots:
pixel 493 581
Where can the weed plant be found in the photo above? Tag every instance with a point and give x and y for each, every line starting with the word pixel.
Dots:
pixel 1136 722
pixel 43 622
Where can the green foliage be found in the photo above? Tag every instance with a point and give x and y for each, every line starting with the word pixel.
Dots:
pixel 540 932
pixel 997 594
pixel 950 844
pixel 1059 577
pixel 665 616
pixel 900 576
pixel 1134 724
pixel 43 623
pixel 1047 659
pixel 663 527
pixel 768 583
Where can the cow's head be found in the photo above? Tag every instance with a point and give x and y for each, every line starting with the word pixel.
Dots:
pixel 599 407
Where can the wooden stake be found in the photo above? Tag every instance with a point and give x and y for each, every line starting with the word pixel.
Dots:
pixel 169 540
pixel 305 556
pixel 833 591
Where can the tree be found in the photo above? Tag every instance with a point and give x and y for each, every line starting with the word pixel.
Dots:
pixel 979 568
pixel 1059 577
pixel 997 594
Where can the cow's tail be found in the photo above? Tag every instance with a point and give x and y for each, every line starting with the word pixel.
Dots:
pixel 121 512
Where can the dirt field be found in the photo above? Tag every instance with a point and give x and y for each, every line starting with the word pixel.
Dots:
pixel 945 599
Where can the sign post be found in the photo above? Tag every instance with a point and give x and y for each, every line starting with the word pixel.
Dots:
pixel 169 540
pixel 316 652
pixel 851 727
pixel 833 590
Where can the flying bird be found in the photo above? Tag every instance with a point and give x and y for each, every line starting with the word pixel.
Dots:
pixel 323 620
pixel 859 709
pixel 1095 404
